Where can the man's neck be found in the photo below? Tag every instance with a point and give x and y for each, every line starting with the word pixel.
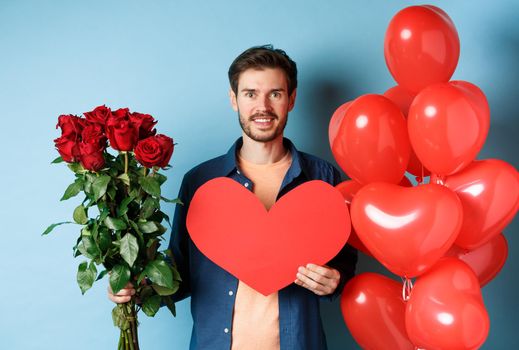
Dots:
pixel 262 152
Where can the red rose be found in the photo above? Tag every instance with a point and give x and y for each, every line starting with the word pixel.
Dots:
pixel 93 133
pixel 122 133
pixel 67 148
pixel 145 122
pixel 99 115
pixel 91 156
pixel 154 151
pixel 71 126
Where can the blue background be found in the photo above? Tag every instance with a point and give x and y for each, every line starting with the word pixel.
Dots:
pixel 169 59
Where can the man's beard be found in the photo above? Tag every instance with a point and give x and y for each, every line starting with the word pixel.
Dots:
pixel 262 137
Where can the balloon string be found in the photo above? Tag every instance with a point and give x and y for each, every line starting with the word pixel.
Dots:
pixel 407 287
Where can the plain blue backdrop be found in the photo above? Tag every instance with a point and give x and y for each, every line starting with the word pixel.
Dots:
pixel 169 59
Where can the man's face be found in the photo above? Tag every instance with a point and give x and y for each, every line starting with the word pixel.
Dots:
pixel 263 103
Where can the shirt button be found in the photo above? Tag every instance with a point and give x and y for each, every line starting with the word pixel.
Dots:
pixel 226 330
pixel 231 292
pixel 246 184
pixel 238 172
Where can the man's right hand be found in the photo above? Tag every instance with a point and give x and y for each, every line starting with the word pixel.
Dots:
pixel 123 296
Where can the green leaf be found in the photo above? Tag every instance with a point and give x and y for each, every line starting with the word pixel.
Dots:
pixel 111 192
pixel 160 273
pixel 72 190
pixel 150 185
pixel 86 275
pixel 119 277
pixel 88 248
pixel 119 318
pixel 123 207
pixel 114 223
pixel 148 207
pixel 51 227
pixel 80 215
pixel 129 248
pixel 125 179
pixel 151 305
pixel 171 306
pixel 175 201
pixel 99 186
pixel 160 178
pixel 105 238
pixel 57 160
pixel 102 274
pixel 76 168
pixel 165 291
pixel 148 227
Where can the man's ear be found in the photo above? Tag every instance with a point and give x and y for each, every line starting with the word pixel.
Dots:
pixel 232 97
pixel 292 100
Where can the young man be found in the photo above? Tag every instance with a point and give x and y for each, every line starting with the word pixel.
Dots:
pixel 227 313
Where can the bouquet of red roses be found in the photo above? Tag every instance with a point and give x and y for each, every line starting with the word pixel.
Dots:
pixel 120 214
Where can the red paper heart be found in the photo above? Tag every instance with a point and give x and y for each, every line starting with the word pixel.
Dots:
pixel 446 310
pixel 230 226
pixel 374 311
pixel 406 229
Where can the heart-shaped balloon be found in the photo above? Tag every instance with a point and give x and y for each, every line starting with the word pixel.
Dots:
pixel 448 124
pixel 486 260
pixel 445 309
pixel 264 249
pixel 374 311
pixel 372 142
pixel 421 47
pixel 489 193
pixel 406 229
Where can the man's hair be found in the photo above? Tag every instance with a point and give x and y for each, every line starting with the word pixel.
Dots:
pixel 261 57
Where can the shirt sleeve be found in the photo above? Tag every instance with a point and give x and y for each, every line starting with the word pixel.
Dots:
pixel 179 242
pixel 346 260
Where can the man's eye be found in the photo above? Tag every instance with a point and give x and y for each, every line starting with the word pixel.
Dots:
pixel 276 94
pixel 249 94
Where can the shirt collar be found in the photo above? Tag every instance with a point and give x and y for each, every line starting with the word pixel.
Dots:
pixel 296 168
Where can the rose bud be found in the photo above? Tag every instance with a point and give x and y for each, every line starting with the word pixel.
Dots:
pixel 67 148
pixel 71 126
pixel 122 133
pixel 154 151
pixel 91 156
pixel 93 133
pixel 145 123
pixel 99 115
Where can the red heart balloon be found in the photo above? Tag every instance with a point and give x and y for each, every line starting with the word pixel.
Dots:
pixel 445 309
pixel 406 229
pixel 372 142
pixel 374 312
pixel 448 124
pixel 486 261
pixel 421 47
pixel 336 120
pixel 489 193
pixel 230 226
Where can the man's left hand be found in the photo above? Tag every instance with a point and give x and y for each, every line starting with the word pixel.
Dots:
pixel 322 280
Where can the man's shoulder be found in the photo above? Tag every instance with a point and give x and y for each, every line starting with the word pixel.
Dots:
pixel 205 171
pixel 317 168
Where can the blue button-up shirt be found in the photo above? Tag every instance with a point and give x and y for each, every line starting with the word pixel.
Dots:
pixel 213 289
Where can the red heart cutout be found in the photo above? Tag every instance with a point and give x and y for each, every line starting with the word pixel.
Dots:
pixel 374 311
pixel 408 229
pixel 230 226
pixel 489 193
pixel 445 309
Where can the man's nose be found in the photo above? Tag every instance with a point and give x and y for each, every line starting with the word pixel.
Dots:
pixel 264 104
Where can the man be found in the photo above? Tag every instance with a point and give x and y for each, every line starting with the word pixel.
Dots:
pixel 228 314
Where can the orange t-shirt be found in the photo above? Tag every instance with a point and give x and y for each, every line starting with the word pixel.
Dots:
pixel 256 317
